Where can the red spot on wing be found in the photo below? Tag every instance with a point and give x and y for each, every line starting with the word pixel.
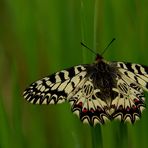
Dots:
pixel 134 107
pixel 92 110
pixel 84 110
pixel 128 109
pixel 80 104
pixel 136 100
pixel 98 108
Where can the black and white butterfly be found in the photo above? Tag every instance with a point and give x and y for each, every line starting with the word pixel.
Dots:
pixel 97 92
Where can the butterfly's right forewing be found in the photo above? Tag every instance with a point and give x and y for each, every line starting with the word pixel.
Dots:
pixel 136 72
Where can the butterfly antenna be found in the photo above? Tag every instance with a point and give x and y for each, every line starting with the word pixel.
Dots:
pixel 88 48
pixel 108 46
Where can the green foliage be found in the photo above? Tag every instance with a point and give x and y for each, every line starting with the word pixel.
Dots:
pixel 38 38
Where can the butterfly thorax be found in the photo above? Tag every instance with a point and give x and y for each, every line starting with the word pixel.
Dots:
pixel 103 76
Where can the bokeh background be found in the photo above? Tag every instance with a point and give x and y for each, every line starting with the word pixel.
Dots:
pixel 39 37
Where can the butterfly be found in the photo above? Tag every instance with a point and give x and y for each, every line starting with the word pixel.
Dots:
pixel 97 92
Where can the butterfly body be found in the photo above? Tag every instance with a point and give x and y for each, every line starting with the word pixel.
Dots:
pixel 97 92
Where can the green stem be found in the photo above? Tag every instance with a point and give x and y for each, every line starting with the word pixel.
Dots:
pixel 123 139
pixel 96 137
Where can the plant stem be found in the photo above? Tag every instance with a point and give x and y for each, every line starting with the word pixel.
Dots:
pixel 96 137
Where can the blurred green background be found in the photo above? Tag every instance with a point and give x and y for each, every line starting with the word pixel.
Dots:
pixel 39 37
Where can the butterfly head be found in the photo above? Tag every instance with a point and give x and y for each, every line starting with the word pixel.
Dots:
pixel 98 58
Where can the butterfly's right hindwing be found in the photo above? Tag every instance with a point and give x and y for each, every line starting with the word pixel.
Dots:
pixel 55 88
pixel 131 82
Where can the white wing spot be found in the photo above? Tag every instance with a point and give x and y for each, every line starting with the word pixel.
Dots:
pixel 85 121
pixel 57 77
pixel 39 82
pixel 42 88
pixel 134 68
pixel 48 83
pixel 55 86
pixel 76 112
pixel 68 88
pixel 63 85
pixel 52 101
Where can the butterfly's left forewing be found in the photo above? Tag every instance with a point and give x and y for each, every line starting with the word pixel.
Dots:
pixel 57 87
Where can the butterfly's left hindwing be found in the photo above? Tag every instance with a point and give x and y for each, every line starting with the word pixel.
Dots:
pixel 88 105
pixel 55 88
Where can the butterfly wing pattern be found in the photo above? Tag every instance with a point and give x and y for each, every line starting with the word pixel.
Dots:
pixel 132 80
pixel 97 92
pixel 57 87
